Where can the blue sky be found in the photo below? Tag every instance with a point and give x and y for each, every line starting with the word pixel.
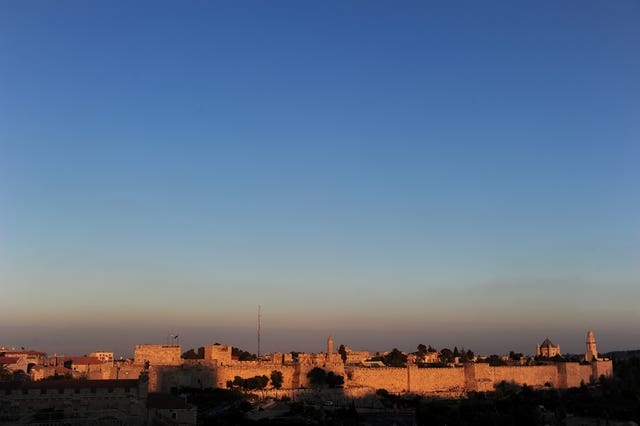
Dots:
pixel 392 173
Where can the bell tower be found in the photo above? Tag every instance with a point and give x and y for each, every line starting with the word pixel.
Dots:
pixel 591 353
pixel 329 347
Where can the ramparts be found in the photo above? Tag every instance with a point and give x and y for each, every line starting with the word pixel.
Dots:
pixel 168 370
pixel 157 354
pixel 220 354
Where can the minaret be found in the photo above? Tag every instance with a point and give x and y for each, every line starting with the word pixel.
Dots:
pixel 329 347
pixel 591 353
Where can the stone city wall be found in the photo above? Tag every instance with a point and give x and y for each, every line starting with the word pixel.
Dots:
pixel 116 372
pixel 168 371
pixel 229 372
pixel 475 377
pixel 167 378
pixel 392 379
pixel 436 380
pixel 487 377
pixel 336 368
pixel 218 353
pixel 572 374
pixel 602 368
pixel 446 380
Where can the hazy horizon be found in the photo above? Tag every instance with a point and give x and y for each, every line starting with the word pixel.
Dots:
pixel 446 173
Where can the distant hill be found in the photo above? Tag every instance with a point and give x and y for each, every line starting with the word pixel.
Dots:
pixel 620 355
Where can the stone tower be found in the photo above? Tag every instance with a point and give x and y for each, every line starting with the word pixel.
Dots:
pixel 591 353
pixel 329 347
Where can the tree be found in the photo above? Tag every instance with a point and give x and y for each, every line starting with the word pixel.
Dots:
pixel 431 349
pixel 446 355
pixel 464 357
pixel 495 361
pixel 276 379
pixel 190 354
pixel 470 355
pixel 456 353
pixel 343 353
pixel 422 349
pixel 317 376
pixel 515 356
pixel 395 358
pixel 383 393
pixel 256 382
pixel 243 355
pixel 334 380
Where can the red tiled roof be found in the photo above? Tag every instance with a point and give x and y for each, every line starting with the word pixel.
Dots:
pixel 8 360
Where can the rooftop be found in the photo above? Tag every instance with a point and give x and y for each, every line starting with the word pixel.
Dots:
pixel 83 360
pixel 547 343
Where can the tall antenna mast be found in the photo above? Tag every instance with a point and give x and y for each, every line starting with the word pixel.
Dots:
pixel 259 318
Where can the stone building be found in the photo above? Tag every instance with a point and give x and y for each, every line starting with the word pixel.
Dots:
pixel 591 353
pixel 83 364
pixel 547 349
pixel 356 357
pixel 74 402
pixel 170 409
pixel 23 360
pixel 40 372
pixel 157 354
pixel 103 356
pixel 219 354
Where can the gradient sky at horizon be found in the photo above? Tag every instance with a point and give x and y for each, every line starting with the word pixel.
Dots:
pixel 391 173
